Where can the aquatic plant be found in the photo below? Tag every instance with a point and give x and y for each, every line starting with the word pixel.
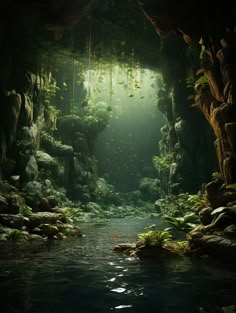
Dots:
pixel 179 247
pixel 182 244
pixel 156 238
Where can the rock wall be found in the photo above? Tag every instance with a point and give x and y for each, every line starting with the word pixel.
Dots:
pixel 217 101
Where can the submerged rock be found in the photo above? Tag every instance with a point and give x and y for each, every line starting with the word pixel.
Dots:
pixel 47 230
pixel 125 248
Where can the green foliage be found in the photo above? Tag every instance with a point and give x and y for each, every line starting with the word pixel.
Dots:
pixel 231 186
pixel 162 163
pixel 178 205
pixel 15 235
pixel 216 175
pixel 96 116
pixel 51 116
pixel 5 187
pixel 149 185
pixel 197 201
pixel 202 80
pixel 49 141
pixel 229 309
pixel 25 210
pixel 185 223
pixel 221 213
pixel 72 214
pixel 49 89
pixel 153 238
pixel 182 244
pixel 190 79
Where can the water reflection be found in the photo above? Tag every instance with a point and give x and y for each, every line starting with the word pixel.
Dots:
pixel 84 275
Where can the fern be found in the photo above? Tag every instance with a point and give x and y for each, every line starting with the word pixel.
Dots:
pixel 162 163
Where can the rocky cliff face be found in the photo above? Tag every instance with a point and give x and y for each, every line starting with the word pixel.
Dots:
pixel 213 27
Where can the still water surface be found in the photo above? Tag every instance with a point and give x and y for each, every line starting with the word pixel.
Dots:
pixel 84 275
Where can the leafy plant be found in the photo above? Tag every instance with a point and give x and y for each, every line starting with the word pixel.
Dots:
pixel 216 175
pixel 48 141
pixel 26 210
pixel 5 187
pixel 179 205
pixel 202 80
pixel 152 238
pixel 197 201
pixel 182 244
pixel 222 213
pixel 15 235
pixel 178 247
pixel 162 163
pixel 51 116
pixel 229 309
pixel 231 186
pixel 96 116
pixel 185 223
pixel 49 89
pixel 72 214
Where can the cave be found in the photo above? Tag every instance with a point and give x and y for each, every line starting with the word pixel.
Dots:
pixel 117 156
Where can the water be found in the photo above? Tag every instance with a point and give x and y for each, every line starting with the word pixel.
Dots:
pixel 84 275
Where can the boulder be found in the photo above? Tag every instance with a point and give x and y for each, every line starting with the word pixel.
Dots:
pixel 31 170
pixel 45 161
pixel 205 216
pixel 3 204
pixel 39 218
pixel 13 204
pixel 230 231
pixel 27 110
pixel 13 221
